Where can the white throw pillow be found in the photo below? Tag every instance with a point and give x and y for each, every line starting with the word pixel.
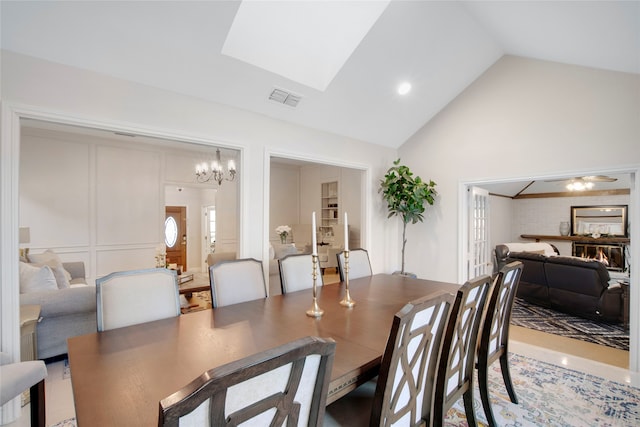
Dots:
pixel 47 257
pixel 35 279
pixel 58 272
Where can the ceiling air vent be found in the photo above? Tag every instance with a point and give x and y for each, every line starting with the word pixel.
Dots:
pixel 283 97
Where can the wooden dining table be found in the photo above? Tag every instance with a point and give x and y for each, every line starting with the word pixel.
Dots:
pixel 119 376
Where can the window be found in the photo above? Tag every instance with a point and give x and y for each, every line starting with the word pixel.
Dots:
pixel 170 232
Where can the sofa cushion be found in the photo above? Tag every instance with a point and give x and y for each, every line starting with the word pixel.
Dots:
pixel 533 283
pixel 35 279
pixel 579 275
pixel 49 257
pixel 61 275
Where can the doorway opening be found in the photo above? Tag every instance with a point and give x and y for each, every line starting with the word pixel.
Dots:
pixel 513 201
pixel 175 237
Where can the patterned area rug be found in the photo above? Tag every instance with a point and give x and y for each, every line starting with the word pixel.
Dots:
pixel 549 395
pixel 554 322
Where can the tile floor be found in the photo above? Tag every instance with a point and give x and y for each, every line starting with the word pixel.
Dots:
pixel 606 362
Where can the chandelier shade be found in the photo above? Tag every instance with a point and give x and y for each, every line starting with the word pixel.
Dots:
pixel 214 171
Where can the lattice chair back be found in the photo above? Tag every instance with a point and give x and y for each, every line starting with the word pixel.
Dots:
pixel 236 281
pixel 127 298
pixel 495 334
pixel 457 361
pixel 404 393
pixel 296 273
pixel 284 386
pixel 359 264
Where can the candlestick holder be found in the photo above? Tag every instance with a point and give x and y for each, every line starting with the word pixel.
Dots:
pixel 347 301
pixel 315 311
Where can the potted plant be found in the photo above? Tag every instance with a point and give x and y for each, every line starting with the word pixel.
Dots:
pixel 406 197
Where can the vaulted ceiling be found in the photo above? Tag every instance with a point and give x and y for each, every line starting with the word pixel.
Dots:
pixel 440 47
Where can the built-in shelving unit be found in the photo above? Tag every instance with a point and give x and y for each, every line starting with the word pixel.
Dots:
pixel 330 206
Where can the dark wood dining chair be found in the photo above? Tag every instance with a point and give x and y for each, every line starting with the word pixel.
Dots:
pixel 296 273
pixel 125 298
pixel 457 359
pixel 287 385
pixel 236 281
pixel 359 264
pixel 494 339
pixel 402 394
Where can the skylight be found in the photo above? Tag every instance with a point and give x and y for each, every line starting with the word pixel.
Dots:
pixel 305 41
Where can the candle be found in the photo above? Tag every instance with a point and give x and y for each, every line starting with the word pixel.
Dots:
pixel 314 243
pixel 346 233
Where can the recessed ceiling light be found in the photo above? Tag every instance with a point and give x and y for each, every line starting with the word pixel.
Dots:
pixel 404 88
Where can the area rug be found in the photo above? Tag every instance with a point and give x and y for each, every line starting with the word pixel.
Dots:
pixel 71 422
pixel 554 322
pixel 66 370
pixel 550 395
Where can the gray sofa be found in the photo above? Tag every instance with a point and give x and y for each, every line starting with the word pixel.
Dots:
pixel 65 312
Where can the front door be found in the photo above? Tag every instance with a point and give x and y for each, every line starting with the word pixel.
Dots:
pixel 175 235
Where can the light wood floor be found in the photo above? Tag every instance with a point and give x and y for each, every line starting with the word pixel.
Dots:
pixel 595 352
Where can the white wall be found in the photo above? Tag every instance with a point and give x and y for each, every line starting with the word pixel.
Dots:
pixel 91 201
pixel 501 217
pixel 511 218
pixel 523 118
pixel 543 216
pixel 295 193
pixel 101 201
pixel 44 90
pixel 284 204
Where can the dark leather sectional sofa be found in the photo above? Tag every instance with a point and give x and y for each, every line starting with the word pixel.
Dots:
pixel 572 285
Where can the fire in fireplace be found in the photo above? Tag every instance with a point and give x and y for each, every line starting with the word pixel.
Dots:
pixel 612 256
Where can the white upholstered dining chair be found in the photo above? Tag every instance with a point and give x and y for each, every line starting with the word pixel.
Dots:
pixel 236 281
pixel 127 298
pixel 296 273
pixel 359 264
pixel 284 386
pixel 17 377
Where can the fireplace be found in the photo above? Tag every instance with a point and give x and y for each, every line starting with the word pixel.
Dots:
pixel 612 255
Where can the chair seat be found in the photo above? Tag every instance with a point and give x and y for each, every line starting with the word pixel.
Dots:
pixel 354 409
pixel 18 377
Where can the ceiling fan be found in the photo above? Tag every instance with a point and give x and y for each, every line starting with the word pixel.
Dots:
pixel 581 183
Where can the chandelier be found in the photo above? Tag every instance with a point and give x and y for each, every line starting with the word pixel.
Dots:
pixel 206 172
